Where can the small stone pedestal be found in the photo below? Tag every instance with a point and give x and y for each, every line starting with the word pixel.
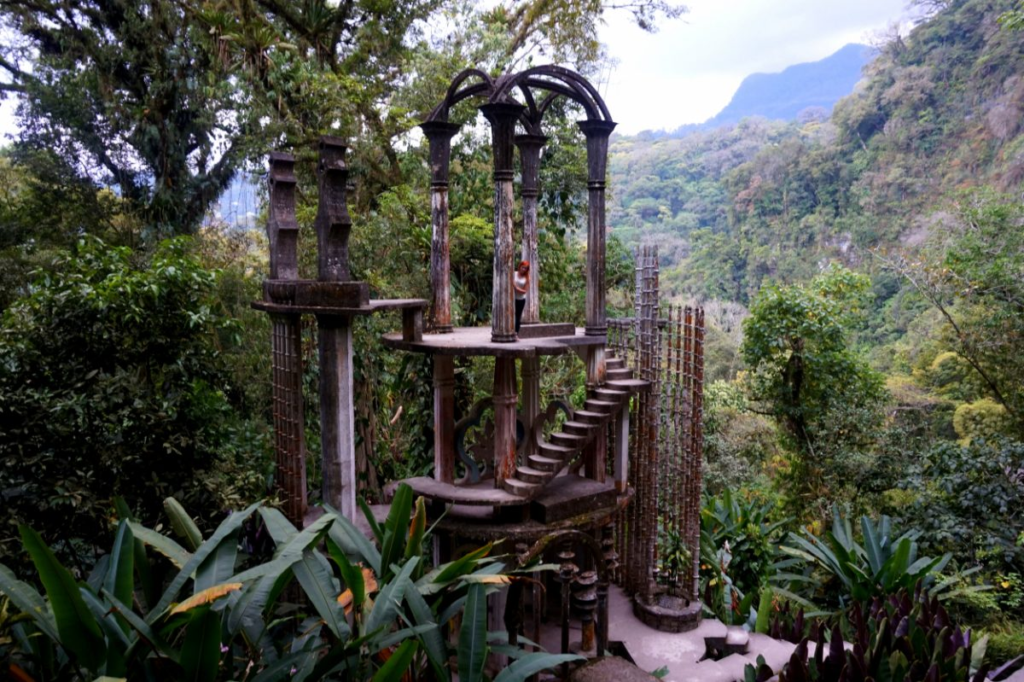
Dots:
pixel 668 613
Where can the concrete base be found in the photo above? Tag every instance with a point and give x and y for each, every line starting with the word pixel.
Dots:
pixel 668 614
pixel 680 652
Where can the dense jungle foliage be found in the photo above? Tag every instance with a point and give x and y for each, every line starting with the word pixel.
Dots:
pixel 863 277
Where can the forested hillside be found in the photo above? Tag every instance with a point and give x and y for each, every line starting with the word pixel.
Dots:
pixel 940 110
pixel 863 276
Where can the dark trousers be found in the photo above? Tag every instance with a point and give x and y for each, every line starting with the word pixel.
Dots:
pixel 520 304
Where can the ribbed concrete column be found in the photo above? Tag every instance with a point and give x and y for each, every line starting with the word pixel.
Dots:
pixel 504 419
pixel 530 372
pixel 597 133
pixel 502 117
pixel 286 343
pixel 439 134
pixel 444 418
pixel 337 424
pixel 337 410
pixel 529 158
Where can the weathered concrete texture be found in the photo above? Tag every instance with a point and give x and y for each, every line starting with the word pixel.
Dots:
pixel 610 669
pixel 680 652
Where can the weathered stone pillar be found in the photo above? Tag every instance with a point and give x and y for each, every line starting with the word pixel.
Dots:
pixel 444 418
pixel 597 133
pixel 529 157
pixel 439 134
pixel 502 117
pixel 337 425
pixel 504 419
pixel 530 147
pixel 286 343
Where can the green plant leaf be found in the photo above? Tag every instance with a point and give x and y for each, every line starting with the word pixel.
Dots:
pixel 353 542
pixel 162 544
pixel 432 640
pixel 120 579
pixel 219 566
pixel 396 529
pixel 29 602
pixel 183 524
pixel 532 664
pixel 80 634
pixel 200 652
pixel 226 529
pixel 398 663
pixel 473 635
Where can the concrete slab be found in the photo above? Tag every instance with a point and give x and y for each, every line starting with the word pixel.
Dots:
pixel 610 669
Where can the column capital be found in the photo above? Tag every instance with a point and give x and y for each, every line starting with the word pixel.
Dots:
pixel 502 116
pixel 282 225
pixel 439 134
pixel 332 219
pixel 529 157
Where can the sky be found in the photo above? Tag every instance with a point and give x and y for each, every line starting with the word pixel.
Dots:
pixel 688 71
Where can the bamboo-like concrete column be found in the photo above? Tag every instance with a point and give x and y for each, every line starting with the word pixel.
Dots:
pixel 504 419
pixel 439 135
pixel 597 134
pixel 444 418
pixel 286 343
pixel 502 117
pixel 530 147
pixel 337 408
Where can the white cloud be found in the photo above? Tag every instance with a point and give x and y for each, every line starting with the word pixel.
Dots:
pixel 689 70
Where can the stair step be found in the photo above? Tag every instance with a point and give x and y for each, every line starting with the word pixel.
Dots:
pixel 517 487
pixel 610 394
pixel 544 463
pixel 534 476
pixel 588 417
pixel 576 428
pixel 618 374
pixel 567 439
pixel 605 406
pixel 628 385
pixel 614 363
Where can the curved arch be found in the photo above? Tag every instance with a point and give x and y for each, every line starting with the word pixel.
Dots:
pixel 453 95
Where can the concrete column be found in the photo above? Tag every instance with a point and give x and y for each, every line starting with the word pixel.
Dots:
pixel 444 418
pixel 439 134
pixel 504 419
pixel 529 157
pixel 620 466
pixel 289 424
pixel 337 410
pixel 597 133
pixel 286 343
pixel 531 399
pixel 502 117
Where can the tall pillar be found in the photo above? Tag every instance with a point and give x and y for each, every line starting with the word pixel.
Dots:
pixel 597 133
pixel 286 343
pixel 529 157
pixel 337 424
pixel 504 419
pixel 444 418
pixel 439 134
pixel 502 117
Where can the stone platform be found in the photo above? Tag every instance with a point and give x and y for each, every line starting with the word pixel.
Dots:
pixel 471 341
pixel 681 652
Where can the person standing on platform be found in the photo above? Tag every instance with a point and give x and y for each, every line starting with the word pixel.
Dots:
pixel 520 282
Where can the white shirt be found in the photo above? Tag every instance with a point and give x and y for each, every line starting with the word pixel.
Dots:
pixel 520 283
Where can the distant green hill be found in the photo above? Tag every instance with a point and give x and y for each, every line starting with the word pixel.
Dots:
pixel 939 110
pixel 784 95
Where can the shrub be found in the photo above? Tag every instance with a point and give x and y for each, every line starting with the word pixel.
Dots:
pixel 111 383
